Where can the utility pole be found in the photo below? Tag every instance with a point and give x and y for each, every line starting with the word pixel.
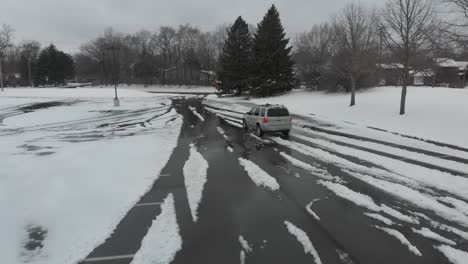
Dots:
pixel 29 71
pixel 115 72
pixel 1 74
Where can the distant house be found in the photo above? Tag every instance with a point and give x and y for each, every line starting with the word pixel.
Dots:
pixel 444 72
pixel 450 73
pixel 422 78
pixel 390 74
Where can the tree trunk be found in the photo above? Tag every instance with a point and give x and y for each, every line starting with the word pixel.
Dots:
pixel 403 90
pixel 353 91
pixel 1 76
pixel 403 99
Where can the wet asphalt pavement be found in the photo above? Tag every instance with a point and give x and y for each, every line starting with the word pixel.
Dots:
pixel 232 205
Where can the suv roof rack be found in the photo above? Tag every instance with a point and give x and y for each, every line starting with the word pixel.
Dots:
pixel 268 105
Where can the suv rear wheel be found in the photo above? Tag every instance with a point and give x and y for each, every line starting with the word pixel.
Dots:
pixel 286 133
pixel 244 125
pixel 259 131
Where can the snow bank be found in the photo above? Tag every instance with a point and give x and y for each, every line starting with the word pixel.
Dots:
pixel 416 198
pixel 432 113
pixel 444 163
pixel 323 174
pixel 195 175
pixel 454 255
pixel 302 238
pixel 427 177
pixel 426 232
pixel 365 201
pixel 259 176
pixel 163 240
pixel 311 212
pixel 380 218
pixel 244 244
pixel 194 111
pixel 401 238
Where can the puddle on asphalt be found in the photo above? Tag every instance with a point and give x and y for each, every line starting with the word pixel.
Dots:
pixel 28 147
pixel 33 243
pixel 37 106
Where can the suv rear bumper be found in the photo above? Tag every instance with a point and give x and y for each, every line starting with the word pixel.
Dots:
pixel 270 128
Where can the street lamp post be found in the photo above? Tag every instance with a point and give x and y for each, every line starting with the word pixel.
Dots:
pixel 115 73
pixel 29 71
pixel 1 74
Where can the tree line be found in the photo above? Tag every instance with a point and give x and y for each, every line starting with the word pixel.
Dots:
pixel 26 64
pixel 349 51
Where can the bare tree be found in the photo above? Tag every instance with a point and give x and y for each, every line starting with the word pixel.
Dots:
pixel 356 29
pixel 30 51
pixel 6 34
pixel 164 43
pixel 409 24
pixel 313 51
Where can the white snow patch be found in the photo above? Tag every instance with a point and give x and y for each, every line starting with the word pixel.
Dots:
pixel 220 130
pixel 458 204
pixel 234 124
pixel 259 176
pixel 242 257
pixel 426 232
pixel 163 240
pixel 302 238
pixel 194 111
pixel 311 212
pixel 93 176
pixel 344 257
pixel 245 245
pixel 230 149
pixel 451 229
pixel 266 141
pixel 380 218
pixel 416 198
pixel 455 256
pixel 401 238
pixel 428 177
pixel 365 201
pixel 399 215
pixel 195 175
pixel 323 174
pixel 444 163
pixel 341 162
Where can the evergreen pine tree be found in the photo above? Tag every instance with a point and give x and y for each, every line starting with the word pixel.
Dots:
pixel 54 67
pixel 235 59
pixel 272 66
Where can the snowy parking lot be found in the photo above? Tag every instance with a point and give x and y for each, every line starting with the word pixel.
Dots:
pixel 72 165
pixel 174 179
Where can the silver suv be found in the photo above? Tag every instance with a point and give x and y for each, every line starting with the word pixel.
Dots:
pixel 268 118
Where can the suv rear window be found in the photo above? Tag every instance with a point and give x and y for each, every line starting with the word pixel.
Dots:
pixel 274 112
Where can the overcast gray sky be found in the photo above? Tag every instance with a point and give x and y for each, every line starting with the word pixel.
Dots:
pixel 69 23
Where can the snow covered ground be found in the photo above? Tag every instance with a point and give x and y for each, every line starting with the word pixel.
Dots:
pixel 439 114
pixel 172 88
pixel 73 165
pixel 428 180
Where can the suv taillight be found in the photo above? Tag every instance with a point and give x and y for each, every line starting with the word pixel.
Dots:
pixel 265 120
